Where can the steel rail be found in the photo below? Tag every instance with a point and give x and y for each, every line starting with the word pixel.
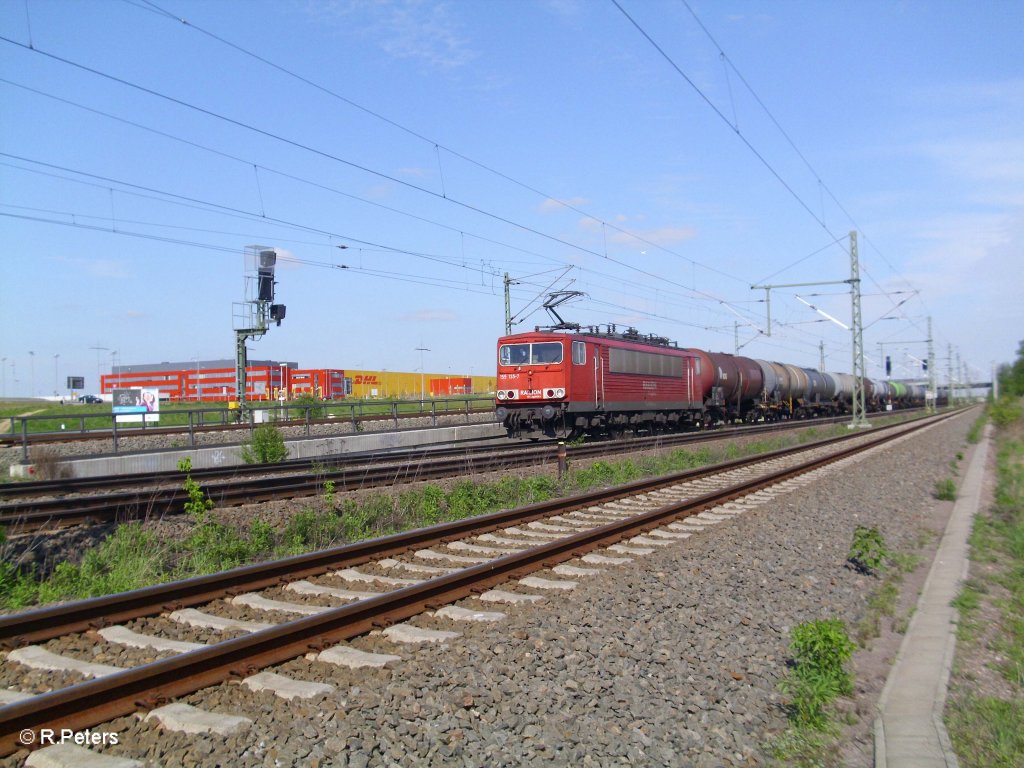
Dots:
pixel 52 621
pixel 57 512
pixel 55 620
pixel 106 482
pixel 38 487
pixel 16 490
pixel 96 701
pixel 9 439
pixel 28 516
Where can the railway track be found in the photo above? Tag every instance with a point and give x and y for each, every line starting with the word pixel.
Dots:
pixel 16 437
pixel 46 505
pixel 387 581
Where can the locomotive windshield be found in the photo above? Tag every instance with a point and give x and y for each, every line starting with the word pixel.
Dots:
pixel 530 354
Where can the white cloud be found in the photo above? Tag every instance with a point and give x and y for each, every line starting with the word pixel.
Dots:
pixel 406 29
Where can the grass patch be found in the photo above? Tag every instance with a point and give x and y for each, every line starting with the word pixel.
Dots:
pixel 869 555
pixel 1003 412
pixel 987 730
pixel 945 489
pixel 805 748
pixel 967 602
pixel 131 558
pixel 881 603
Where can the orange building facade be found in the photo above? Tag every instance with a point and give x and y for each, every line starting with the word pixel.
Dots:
pixel 214 380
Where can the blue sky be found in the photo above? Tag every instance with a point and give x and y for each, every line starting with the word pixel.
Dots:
pixel 658 156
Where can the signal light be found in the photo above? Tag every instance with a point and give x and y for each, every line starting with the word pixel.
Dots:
pixel 277 312
pixel 265 271
pixel 888 366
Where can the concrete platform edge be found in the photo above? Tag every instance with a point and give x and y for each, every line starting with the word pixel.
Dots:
pixel 940 581
pixel 230 455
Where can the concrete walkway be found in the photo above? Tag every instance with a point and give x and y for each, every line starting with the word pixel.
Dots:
pixel 909 732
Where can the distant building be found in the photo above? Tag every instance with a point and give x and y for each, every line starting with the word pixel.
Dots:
pixel 214 380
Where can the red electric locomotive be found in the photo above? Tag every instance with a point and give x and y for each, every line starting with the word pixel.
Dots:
pixel 568 384
pixel 562 385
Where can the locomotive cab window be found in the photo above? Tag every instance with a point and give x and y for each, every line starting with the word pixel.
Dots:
pixel 542 353
pixel 579 353
pixel 546 352
pixel 514 354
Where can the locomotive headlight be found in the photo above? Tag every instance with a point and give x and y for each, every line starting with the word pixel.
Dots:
pixel 511 394
pixel 559 392
pixel 501 394
pixel 550 393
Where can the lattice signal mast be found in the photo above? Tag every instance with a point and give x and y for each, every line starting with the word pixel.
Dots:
pixel 252 317
pixel 856 327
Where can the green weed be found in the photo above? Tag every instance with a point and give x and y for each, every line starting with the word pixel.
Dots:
pixel 1003 412
pixel 198 504
pixel 945 489
pixel 266 446
pixel 329 494
pixel 867 552
pixel 821 650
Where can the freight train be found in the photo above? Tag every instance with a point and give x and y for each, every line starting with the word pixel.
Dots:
pixel 560 384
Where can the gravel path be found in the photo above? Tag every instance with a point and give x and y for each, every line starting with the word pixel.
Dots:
pixel 671 660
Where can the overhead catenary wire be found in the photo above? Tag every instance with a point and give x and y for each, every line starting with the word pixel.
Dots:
pixel 103 182
pixel 360 167
pixel 437 146
pixel 789 140
pixel 716 300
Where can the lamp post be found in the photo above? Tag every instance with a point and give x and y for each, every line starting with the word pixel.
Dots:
pixel 32 372
pixel 196 361
pixel 56 361
pixel 99 375
pixel 423 395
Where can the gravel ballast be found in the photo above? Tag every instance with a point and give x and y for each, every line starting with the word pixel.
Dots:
pixel 673 659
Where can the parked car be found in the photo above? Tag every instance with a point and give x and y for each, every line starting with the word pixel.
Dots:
pixel 90 399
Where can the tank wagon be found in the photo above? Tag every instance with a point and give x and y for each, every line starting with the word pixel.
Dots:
pixel 560 384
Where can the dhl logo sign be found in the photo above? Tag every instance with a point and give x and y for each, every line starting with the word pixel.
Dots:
pixel 367 379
